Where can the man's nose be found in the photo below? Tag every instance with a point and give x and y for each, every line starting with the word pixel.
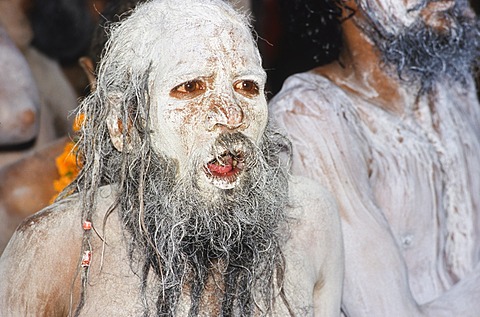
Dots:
pixel 227 115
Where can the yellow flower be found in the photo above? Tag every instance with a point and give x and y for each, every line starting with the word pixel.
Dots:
pixel 66 162
pixel 61 183
pixel 78 122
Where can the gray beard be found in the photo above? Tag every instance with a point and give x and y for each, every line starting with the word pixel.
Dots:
pixel 185 233
pixel 425 56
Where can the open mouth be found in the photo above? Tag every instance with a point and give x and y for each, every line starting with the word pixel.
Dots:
pixel 224 170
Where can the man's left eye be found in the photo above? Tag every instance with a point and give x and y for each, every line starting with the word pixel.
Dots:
pixel 248 88
pixel 188 90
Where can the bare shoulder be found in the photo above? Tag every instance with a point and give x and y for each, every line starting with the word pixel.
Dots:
pixel 51 220
pixel 314 220
pixel 315 249
pixel 53 225
pixel 40 262
pixel 44 227
pixel 37 263
pixel 312 202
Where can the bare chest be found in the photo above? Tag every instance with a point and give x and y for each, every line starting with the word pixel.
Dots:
pixel 118 288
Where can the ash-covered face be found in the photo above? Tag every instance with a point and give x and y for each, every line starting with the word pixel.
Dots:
pixel 392 16
pixel 202 88
pixel 425 41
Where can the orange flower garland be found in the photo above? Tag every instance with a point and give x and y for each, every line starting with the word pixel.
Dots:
pixel 67 165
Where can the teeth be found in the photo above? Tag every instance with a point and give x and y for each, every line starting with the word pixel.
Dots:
pixel 220 157
pixel 222 161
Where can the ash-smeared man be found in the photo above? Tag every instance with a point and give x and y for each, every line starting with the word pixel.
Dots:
pixel 392 128
pixel 184 206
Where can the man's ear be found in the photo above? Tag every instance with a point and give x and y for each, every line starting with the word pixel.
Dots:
pixel 87 65
pixel 115 122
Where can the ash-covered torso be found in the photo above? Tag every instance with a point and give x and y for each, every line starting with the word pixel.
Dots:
pixel 420 170
pixel 127 300
pixel 117 285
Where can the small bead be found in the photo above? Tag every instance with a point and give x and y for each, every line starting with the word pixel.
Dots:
pixel 87 225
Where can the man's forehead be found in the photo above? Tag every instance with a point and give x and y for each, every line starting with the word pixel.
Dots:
pixel 188 25
pixel 189 15
pixel 215 28
pixel 186 53
pixel 210 40
pixel 168 38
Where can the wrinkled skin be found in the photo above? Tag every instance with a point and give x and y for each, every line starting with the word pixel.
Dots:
pixel 224 94
pixel 403 166
pixel 214 91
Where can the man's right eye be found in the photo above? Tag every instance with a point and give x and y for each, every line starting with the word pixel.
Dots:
pixel 188 90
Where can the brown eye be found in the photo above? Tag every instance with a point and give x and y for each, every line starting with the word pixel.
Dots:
pixel 188 90
pixel 247 88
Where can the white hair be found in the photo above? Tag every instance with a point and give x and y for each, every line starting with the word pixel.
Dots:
pixel 131 56
pixel 157 21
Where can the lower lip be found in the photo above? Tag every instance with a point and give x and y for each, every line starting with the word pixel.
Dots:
pixel 220 174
